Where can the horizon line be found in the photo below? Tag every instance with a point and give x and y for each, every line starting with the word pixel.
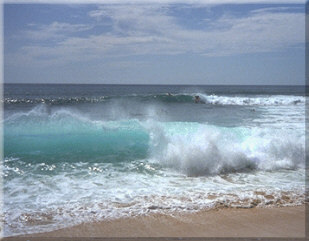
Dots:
pixel 192 2
pixel 303 85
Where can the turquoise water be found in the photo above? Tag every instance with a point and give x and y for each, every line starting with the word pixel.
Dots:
pixel 85 153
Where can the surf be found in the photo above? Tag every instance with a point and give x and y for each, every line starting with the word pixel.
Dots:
pixel 88 153
pixel 211 99
pixel 191 148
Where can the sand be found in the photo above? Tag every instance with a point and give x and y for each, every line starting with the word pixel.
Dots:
pixel 226 222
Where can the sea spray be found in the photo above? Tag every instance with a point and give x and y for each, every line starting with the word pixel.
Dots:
pixel 199 149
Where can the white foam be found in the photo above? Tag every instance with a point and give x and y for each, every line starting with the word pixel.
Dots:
pixel 88 194
pixel 205 150
pixel 273 100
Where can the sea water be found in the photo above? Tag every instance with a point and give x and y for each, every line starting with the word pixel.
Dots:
pixel 83 153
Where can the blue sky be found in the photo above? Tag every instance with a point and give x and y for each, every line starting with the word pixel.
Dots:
pixel 166 43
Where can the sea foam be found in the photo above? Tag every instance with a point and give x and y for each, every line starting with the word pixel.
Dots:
pixel 199 149
pixel 275 100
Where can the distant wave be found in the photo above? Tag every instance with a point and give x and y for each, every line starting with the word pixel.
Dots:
pixel 74 100
pixel 168 98
pixel 252 101
pixel 55 101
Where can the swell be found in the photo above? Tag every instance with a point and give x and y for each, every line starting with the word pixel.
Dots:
pixel 82 99
pixel 211 99
pixel 66 135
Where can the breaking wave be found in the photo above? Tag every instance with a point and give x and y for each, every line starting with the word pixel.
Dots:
pixel 168 98
pixel 255 100
pixel 192 148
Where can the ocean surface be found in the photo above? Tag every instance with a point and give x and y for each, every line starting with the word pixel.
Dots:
pixel 83 153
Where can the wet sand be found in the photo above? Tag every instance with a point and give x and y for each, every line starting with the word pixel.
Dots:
pixel 226 222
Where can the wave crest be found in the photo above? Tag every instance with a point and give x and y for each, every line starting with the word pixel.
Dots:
pixel 253 101
pixel 192 148
pixel 209 150
pixel 168 98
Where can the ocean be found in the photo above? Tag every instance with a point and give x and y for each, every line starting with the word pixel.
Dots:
pixel 84 153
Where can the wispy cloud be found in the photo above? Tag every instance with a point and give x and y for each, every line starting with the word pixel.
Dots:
pixel 53 30
pixel 275 9
pixel 152 30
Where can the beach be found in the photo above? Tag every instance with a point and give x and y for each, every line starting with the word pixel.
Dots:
pixel 279 222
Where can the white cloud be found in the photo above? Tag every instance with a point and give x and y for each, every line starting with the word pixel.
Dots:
pixel 54 30
pixel 150 30
pixel 274 9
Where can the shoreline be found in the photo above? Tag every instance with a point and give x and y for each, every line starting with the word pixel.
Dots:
pixel 281 222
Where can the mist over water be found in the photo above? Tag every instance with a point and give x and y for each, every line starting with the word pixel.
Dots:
pixel 83 153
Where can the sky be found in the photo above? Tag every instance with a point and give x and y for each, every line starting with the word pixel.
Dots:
pixel 163 42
